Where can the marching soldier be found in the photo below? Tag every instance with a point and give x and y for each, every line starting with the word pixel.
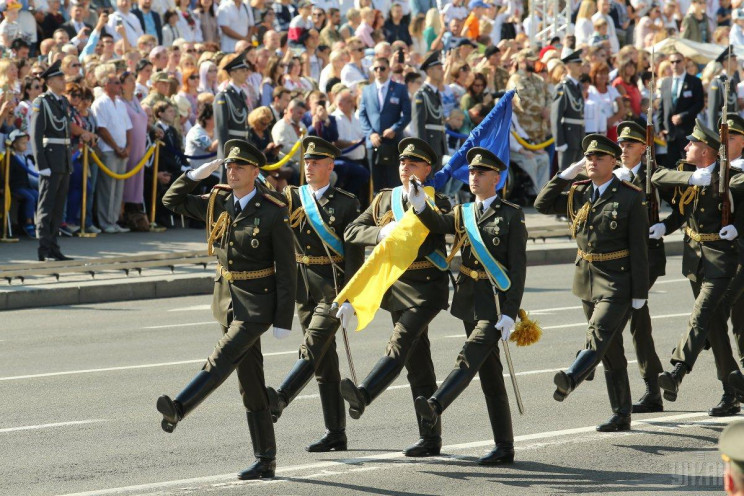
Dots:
pixel 318 211
pixel 717 87
pixel 427 115
pixel 491 230
pixel 254 288
pixel 709 261
pixel 609 220
pixel 567 114
pixel 51 125
pixel 413 300
pixel 230 108
pixel 532 105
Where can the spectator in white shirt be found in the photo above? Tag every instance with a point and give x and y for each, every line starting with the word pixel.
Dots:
pixel 124 17
pixel 235 19
pixel 287 131
pixel 354 71
pixel 349 128
pixel 603 7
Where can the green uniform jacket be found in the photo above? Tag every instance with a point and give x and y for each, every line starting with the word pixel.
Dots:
pixel 656 253
pixel 617 221
pixel 338 209
pixel 505 236
pixel 265 300
pixel 737 186
pixel 415 288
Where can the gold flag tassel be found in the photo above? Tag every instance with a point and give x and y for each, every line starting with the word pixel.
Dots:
pixel 527 331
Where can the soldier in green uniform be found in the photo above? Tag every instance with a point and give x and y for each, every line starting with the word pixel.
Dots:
pixel 254 288
pixel 413 300
pixel 609 221
pixel 708 261
pixel 567 114
pixel 632 141
pixel 319 213
pixel 230 107
pixel 490 231
pixel 717 87
pixel 427 116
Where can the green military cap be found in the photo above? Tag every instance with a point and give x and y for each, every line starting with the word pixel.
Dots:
pixel 599 143
pixel 731 443
pixel 631 131
pixel 735 123
pixel 701 134
pixel 242 152
pixel 416 149
pixel 316 147
pixel 483 158
pixel 160 77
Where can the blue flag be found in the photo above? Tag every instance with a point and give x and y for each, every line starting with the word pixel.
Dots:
pixel 492 134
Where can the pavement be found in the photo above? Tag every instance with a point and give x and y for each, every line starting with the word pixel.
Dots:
pixel 78 416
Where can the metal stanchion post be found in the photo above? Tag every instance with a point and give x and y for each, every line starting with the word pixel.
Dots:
pixel 84 207
pixel 6 197
pixel 154 227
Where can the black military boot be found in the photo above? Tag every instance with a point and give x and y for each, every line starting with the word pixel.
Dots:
pixel 670 381
pixel 729 404
pixel 500 417
pixel 430 432
pixel 618 388
pixel 335 420
pixel 296 380
pixel 736 381
pixel 264 446
pixel 651 401
pixel 566 382
pixel 192 395
pixel 382 375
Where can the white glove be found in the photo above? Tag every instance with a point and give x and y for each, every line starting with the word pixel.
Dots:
pixel 638 303
pixel 561 148
pixel 506 326
pixel 386 229
pixel 729 233
pixel 281 333
pixel 657 231
pixel 45 172
pixel 701 177
pixel 417 198
pixel 573 170
pixel 204 170
pixel 622 173
pixel 345 312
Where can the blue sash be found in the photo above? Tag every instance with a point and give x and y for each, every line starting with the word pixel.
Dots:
pixel 328 237
pixel 396 202
pixel 496 271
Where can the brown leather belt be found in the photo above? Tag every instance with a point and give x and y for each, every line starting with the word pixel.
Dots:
pixel 702 237
pixel 473 273
pixel 423 264
pixel 604 257
pixel 322 260
pixel 231 276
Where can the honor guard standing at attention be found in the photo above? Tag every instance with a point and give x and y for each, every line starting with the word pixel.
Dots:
pixel 427 114
pixel 493 239
pixel 632 141
pixel 230 107
pixel 51 134
pixel 609 222
pixel 254 288
pixel 717 87
pixel 319 213
pixel 709 261
pixel 567 114
pixel 413 300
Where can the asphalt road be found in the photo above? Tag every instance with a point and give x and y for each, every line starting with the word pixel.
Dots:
pixel 77 412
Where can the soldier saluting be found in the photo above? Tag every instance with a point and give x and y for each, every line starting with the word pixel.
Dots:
pixel 609 222
pixel 427 113
pixel 254 288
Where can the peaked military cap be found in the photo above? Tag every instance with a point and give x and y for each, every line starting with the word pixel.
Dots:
pixel 731 443
pixel 417 149
pixel 599 143
pixel 53 71
pixel 725 53
pixel 631 131
pixel 572 57
pixel 238 150
pixel 237 63
pixel 735 123
pixel 701 134
pixel 483 158
pixel 319 148
pixel 431 61
pixel 160 77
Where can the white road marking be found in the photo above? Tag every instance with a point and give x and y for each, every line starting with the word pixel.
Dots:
pixel 167 326
pixel 671 281
pixel 49 426
pixel 192 308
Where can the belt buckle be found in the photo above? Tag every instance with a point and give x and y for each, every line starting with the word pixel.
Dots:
pixel 474 274
pixel 227 275
pixel 305 260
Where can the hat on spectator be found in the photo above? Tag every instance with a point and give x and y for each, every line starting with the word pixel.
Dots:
pixel 463 42
pixel 735 123
pixel 725 54
pixel 160 77
pixel 544 50
pixel 237 63
pixel 477 3
pixel 15 134
pixel 631 131
pixel 731 443
pixel 546 55
pixel 491 50
pixel 701 134
pixel 572 57
pixel 526 54
pixel 240 151
pixel 431 61
pixel 13 5
pixel 317 148
pixel 599 143
pixel 484 159
pixel 54 70
pixel 416 149
pixel 157 51
pixel 184 107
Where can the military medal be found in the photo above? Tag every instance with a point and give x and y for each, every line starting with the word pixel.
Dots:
pixel 496 241
pixel 256 222
pixel 332 218
pixel 254 243
pixel 613 225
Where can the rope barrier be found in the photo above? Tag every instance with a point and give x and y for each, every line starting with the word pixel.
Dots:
pixel 530 146
pixel 285 159
pixel 352 147
pixel 189 157
pixel 126 175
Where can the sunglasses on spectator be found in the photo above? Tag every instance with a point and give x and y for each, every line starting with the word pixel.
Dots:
pixel 358 49
pixel 36 87
pixel 675 61
pixel 75 95
pixel 321 103
pixel 380 68
pixel 75 65
pixel 194 76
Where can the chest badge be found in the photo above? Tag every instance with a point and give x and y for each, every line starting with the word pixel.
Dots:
pixel 254 243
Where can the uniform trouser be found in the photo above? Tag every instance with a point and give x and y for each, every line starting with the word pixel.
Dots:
pixel 607 319
pixel 52 198
pixel 409 345
pixel 707 322
pixel 110 191
pixel 643 341
pixel 734 298
pixel 568 157
pixel 319 326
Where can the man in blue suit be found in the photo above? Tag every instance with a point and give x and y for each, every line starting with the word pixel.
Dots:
pixel 384 113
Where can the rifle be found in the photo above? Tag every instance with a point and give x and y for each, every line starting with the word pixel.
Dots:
pixel 724 171
pixel 652 197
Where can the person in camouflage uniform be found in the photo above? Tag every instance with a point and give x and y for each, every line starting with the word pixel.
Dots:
pixel 532 106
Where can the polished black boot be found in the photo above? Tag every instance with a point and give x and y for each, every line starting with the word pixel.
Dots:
pixel 429 409
pixel 502 454
pixel 566 382
pixel 736 381
pixel 499 415
pixel 56 254
pixel 430 433
pixel 618 389
pixel 670 381
pixel 651 401
pixel 264 446
pixel 192 395
pixel 296 380
pixel 382 375
pixel 335 420
pixel 729 404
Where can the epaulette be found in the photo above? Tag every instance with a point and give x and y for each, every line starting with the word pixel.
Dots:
pixel 276 201
pixel 222 188
pixel 631 185
pixel 585 181
pixel 345 193
pixel 513 205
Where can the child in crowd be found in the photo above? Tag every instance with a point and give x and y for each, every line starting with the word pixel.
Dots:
pixel 600 36
pixel 20 184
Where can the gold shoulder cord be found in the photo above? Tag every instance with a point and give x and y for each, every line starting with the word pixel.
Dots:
pixel 387 216
pixel 460 235
pixel 296 216
pixel 215 230
pixel 579 217
pixel 687 197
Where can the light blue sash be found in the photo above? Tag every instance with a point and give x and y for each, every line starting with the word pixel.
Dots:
pixel 316 221
pixel 496 271
pixel 435 257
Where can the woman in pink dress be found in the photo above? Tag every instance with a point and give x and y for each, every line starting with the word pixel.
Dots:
pixel 134 186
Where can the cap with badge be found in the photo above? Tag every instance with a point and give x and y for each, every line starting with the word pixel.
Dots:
pixel 237 63
pixel 418 150
pixel 242 152
pixel 701 134
pixel 631 131
pixel 725 54
pixel 599 143
pixel 572 57
pixel 160 77
pixel 731 444
pixel 53 71
pixel 317 148
pixel 484 159
pixel 432 60
pixel 735 123
pixel 526 54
